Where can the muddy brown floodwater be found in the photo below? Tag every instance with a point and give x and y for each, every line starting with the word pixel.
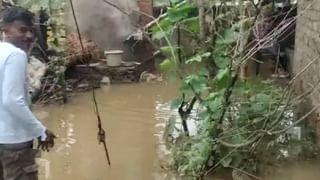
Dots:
pixel 128 114
pixel 131 115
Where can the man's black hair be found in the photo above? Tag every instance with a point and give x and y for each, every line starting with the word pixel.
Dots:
pixel 17 14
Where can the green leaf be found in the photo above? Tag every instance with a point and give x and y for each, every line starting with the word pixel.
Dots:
pixel 221 50
pixel 195 59
pixel 228 37
pixel 195 82
pixel 198 58
pixel 216 104
pixel 158 35
pixel 167 65
pixel 203 72
pixel 164 28
pixel 212 96
pixel 192 24
pixel 222 61
pixel 222 78
pixel 163 23
pixel 176 14
pixel 167 50
pixel 206 54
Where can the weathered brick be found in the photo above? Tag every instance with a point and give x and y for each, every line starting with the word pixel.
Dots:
pixel 145 6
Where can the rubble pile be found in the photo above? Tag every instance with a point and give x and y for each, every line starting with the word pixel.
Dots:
pixel 53 84
pixel 78 70
pixel 77 55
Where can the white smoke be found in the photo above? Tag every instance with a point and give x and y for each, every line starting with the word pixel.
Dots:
pixel 104 24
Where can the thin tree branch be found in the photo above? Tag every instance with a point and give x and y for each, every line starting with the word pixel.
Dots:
pixel 247 173
pixel 296 122
pixel 117 7
pixel 304 69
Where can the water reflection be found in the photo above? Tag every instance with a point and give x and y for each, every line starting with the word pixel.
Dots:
pixel 297 171
pixel 128 114
pixel 67 140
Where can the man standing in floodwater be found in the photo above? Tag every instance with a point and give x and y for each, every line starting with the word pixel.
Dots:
pixel 18 126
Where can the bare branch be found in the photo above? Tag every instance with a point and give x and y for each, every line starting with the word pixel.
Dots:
pixel 247 173
pixel 304 69
pixel 247 143
pixel 297 122
pixel 117 7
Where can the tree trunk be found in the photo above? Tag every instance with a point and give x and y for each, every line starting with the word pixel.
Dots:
pixel 244 35
pixel 202 19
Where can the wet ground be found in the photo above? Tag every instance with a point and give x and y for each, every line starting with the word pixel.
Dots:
pixel 131 117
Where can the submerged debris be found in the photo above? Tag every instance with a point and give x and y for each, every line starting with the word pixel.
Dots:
pixel 36 70
pixel 56 80
pixel 80 66
pixel 105 80
pixel 149 77
pixel 53 83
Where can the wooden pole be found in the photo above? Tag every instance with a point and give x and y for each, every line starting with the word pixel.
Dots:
pixel 200 4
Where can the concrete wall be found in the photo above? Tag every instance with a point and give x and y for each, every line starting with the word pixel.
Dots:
pixel 307 48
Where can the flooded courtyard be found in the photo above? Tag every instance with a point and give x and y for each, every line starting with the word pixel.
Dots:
pixel 132 115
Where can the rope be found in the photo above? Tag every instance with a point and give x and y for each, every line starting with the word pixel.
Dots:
pixel 101 131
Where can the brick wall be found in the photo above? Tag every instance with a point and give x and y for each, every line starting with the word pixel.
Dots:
pixel 145 6
pixel 307 48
